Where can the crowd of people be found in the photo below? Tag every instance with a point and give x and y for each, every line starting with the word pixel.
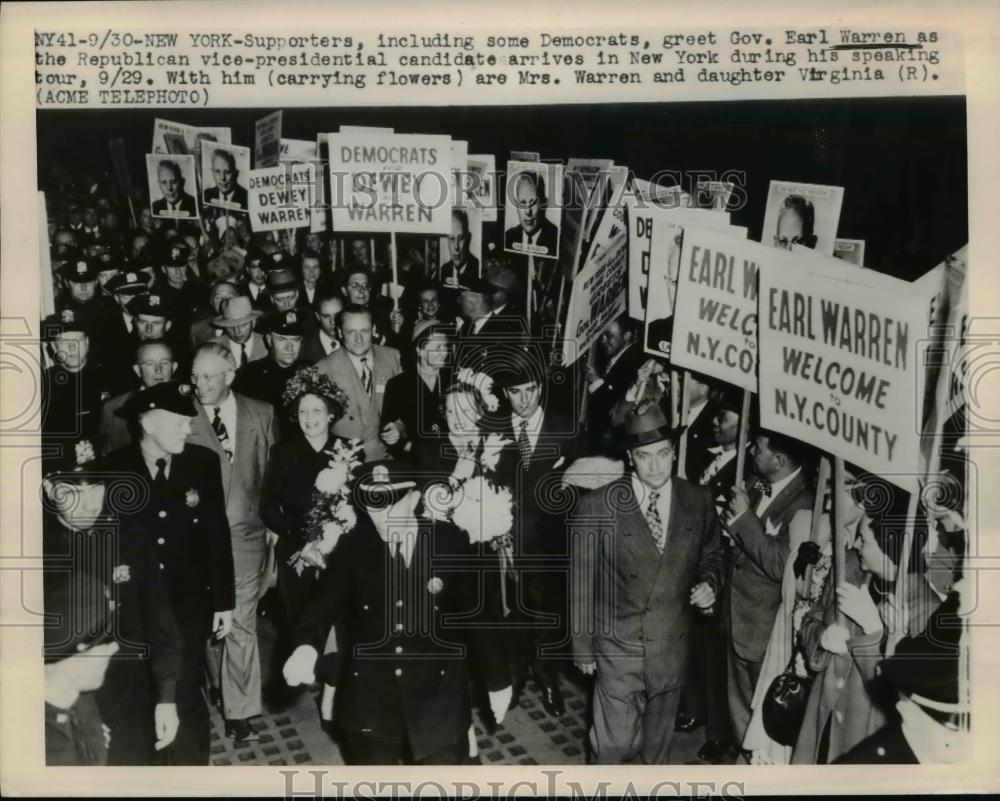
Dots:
pixel 442 517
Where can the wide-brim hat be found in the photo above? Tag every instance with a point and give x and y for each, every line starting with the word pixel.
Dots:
pixel 502 277
pixel 170 396
pixel 648 424
pixel 236 311
pixel 281 280
pixel 727 398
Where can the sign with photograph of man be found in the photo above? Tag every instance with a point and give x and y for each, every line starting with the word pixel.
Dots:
pixel 181 139
pixel 169 178
pixel 532 209
pixel 802 214
pixel 460 253
pixel 481 186
pixel 223 174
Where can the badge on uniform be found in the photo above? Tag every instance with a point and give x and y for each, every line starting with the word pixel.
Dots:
pixel 191 498
pixel 435 585
pixel 120 574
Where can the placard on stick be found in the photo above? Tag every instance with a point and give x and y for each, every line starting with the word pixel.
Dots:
pixel 838 364
pixel 281 197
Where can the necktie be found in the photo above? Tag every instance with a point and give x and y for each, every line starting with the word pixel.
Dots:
pixel 243 355
pixel 366 375
pixel 763 486
pixel 523 444
pixel 160 479
pixel 220 431
pixel 655 522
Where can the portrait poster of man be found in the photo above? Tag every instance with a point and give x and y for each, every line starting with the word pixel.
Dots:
pixel 171 179
pixel 224 171
pixel 664 262
pixel 481 185
pixel 802 214
pixel 460 254
pixel 180 138
pixel 532 209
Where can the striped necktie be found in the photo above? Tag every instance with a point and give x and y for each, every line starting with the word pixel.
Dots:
pixel 366 376
pixel 220 431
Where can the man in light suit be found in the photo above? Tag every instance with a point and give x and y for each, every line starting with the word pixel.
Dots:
pixel 758 523
pixel 241 431
pixel 361 369
pixel 647 552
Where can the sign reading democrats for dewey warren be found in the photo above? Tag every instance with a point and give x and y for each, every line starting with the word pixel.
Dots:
pixel 837 362
pixel 390 182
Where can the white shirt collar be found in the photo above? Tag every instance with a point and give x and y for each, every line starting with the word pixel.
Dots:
pixel 477 326
pixel 328 342
pixel 776 488
pixel 534 425
pixel 642 493
pixel 356 361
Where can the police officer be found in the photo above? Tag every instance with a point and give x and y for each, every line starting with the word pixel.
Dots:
pixel 403 683
pixel 136 701
pixel 265 378
pixel 185 518
pixel 81 296
pixel 73 388
pixel 186 295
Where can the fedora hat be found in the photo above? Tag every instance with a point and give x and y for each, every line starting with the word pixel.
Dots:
pixel 648 424
pixel 236 311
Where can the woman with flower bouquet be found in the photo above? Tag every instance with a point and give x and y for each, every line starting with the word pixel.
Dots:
pixel 304 496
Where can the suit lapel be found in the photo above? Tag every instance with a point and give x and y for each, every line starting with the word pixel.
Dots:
pixel 784 498
pixel 633 524
pixel 210 440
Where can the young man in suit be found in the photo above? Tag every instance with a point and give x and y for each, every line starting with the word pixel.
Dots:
pixel 362 370
pixel 185 518
pixel 323 340
pixel 482 335
pixel 240 431
pixel 542 444
pixel 758 523
pixel 647 554
pixel 403 689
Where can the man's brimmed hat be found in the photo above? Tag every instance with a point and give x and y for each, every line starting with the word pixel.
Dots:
pixel 281 280
pixel 130 283
pixel 287 323
pixel 648 424
pixel 78 462
pixel 378 485
pixel 502 277
pixel 170 396
pixel 62 322
pixel 236 311
pixel 79 270
pixel 150 303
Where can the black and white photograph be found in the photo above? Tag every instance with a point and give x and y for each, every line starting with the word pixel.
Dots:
pixel 172 186
pixel 643 470
pixel 225 170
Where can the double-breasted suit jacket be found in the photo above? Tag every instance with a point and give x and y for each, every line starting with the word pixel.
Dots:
pixel 361 420
pixel 401 634
pixel 631 607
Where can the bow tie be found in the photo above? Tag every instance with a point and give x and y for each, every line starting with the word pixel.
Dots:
pixel 763 486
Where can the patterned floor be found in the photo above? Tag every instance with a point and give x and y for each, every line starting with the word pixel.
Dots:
pixel 528 736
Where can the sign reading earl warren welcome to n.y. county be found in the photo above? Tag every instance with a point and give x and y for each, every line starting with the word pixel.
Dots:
pixel 715 312
pixel 838 366
pixel 390 182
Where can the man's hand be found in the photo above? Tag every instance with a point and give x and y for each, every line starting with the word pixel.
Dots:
pixel 165 723
pixel 222 624
pixel 300 667
pixel 739 502
pixel 587 668
pixel 703 596
pixel 591 374
pixel 390 434
pixel 271 538
pixel 499 701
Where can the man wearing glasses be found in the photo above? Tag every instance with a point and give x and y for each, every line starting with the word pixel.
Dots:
pixel 795 223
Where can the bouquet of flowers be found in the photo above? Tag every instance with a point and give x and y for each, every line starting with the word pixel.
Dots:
pixel 332 514
pixel 478 506
pixel 482 384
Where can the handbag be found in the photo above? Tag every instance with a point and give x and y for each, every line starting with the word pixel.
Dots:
pixel 784 706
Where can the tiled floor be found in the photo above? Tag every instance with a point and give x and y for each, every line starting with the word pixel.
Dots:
pixel 528 736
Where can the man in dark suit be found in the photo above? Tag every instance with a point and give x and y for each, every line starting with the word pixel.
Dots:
pixel 607 386
pixel 646 549
pixel 175 201
pixel 758 523
pixel 240 431
pixel 390 585
pixel 227 191
pixel 137 700
pixel 699 427
pixel 541 445
pixel 184 521
pixel 534 234
pixel 483 335
pixel 74 387
pixel 324 338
